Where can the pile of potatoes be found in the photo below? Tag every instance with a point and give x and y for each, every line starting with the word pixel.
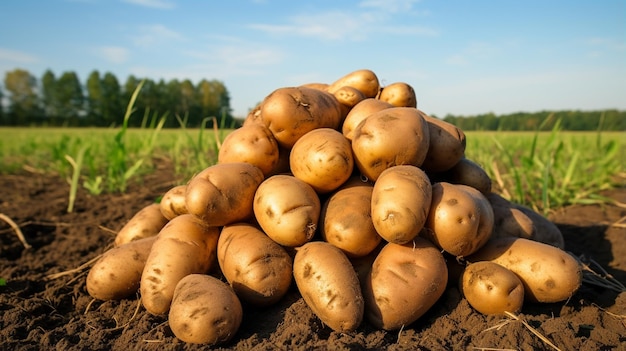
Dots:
pixel 351 192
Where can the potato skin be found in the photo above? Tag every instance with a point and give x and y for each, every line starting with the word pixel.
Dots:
pixel 184 246
pixel 222 194
pixel 287 209
pixel 401 200
pixel 258 268
pixel 405 282
pixel 204 310
pixel 364 80
pixel 460 219
pixel 323 159
pixel 173 202
pixel 329 285
pixel 291 112
pixel 117 274
pixel 399 94
pixel 346 220
pixel 548 273
pixel 253 143
pixel 359 112
pixel 447 145
pixel 348 97
pixel 470 173
pixel 390 137
pixel 146 222
pixel 492 289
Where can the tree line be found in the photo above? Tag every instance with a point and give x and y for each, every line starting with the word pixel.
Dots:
pixel 102 100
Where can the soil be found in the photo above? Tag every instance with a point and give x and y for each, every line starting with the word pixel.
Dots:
pixel 38 312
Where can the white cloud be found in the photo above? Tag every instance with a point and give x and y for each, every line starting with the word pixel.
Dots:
pixel 157 4
pixel 114 54
pixel 153 34
pixel 17 56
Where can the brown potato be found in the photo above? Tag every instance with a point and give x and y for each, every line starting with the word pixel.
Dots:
pixel 318 86
pixel 399 94
pixel 492 289
pixel 548 273
pixel 468 172
pixel 254 144
pixel 346 220
pixel 400 203
pixel 460 219
pixel 404 283
pixel 258 268
pixel 145 223
pixel 348 97
pixel 223 193
pixel 117 274
pixel 204 310
pixel 323 159
pixel 390 137
pixel 359 112
pixel 287 209
pixel 364 80
pixel 294 111
pixel 329 285
pixel 447 145
pixel 173 202
pixel 184 246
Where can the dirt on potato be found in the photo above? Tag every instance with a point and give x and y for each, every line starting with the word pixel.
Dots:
pixel 38 312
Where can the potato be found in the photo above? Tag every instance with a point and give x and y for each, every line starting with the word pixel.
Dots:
pixel 254 144
pixel 173 202
pixel 400 203
pixel 468 172
pixel 492 289
pixel 145 223
pixel 323 159
pixel 348 97
pixel 287 209
pixel 291 112
pixel 447 145
pixel 390 137
pixel 184 246
pixel 258 269
pixel 548 273
pixel 223 193
pixel 318 86
pixel 254 116
pixel 545 231
pixel 346 220
pixel 460 219
pixel 364 80
pixel 204 310
pixel 405 282
pixel 399 94
pixel 329 285
pixel 359 112
pixel 117 273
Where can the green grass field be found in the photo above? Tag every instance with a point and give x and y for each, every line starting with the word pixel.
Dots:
pixel 544 170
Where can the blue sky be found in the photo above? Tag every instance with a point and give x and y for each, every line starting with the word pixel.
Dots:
pixel 461 57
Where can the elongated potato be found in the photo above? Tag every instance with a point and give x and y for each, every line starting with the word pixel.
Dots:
pixel 223 193
pixel 346 220
pixel 492 289
pixel 359 112
pixel 460 219
pixel 146 222
pixel 254 144
pixel 399 94
pixel 364 80
pixel 390 137
pixel 323 159
pixel 447 145
pixel 117 274
pixel 548 273
pixel 404 283
pixel 470 173
pixel 329 285
pixel 287 209
pixel 204 310
pixel 184 246
pixel 258 268
pixel 400 203
pixel 292 112
pixel 173 202
pixel 348 97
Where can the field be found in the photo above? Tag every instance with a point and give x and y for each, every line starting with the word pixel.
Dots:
pixel 70 190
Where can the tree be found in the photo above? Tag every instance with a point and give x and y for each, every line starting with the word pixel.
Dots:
pixel 23 99
pixel 49 98
pixel 71 97
pixel 95 98
pixel 215 101
pixel 112 105
pixel 2 117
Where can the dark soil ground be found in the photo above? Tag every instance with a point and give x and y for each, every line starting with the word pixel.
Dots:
pixel 40 313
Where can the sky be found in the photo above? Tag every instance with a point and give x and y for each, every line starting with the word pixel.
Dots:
pixel 461 57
